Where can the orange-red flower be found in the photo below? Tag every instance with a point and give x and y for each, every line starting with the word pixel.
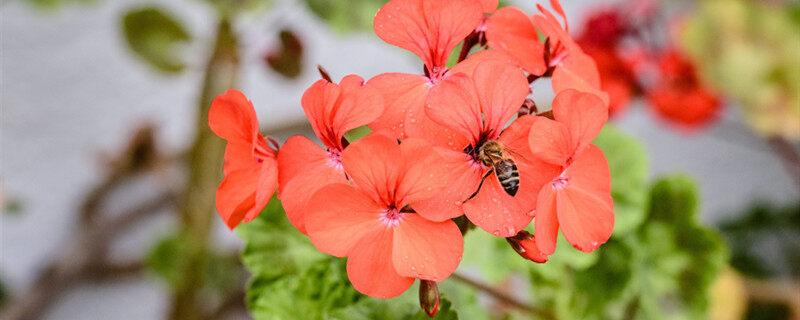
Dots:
pixel 512 31
pixel 578 200
pixel 573 68
pixel 680 96
pixel 305 167
pixel 250 168
pixel 430 29
pixel 478 108
pixel 517 34
pixel 372 221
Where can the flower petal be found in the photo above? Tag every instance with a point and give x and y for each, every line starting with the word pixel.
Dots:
pixel 295 155
pixel 473 60
pixel 550 141
pixel 314 170
pixel 235 196
pixel 578 71
pixel 400 92
pixel 422 168
pixel 513 32
pixel 489 6
pixel 267 183
pixel 426 250
pixel 462 176
pixel 338 216
pixel 502 90
pixel 428 28
pixel 585 207
pixel 493 210
pixel 546 225
pixel 233 118
pixel 583 114
pixel 361 106
pixel 319 102
pixel 453 103
pixel 370 268
pixel 374 163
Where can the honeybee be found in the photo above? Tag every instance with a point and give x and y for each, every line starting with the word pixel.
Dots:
pixel 491 154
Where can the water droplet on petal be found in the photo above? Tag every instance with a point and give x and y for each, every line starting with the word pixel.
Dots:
pixel 510 230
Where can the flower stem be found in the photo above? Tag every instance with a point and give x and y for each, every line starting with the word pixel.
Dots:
pixel 503 297
pixel 205 170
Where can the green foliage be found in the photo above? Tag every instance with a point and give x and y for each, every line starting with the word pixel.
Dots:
pixel 154 36
pixel 627 159
pixel 273 249
pixel 662 269
pixel 346 15
pixel 765 226
pixel 168 258
pixel 318 290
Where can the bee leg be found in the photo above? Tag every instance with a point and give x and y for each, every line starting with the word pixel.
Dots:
pixel 479 186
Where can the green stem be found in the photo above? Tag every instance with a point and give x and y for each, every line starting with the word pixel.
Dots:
pixel 205 170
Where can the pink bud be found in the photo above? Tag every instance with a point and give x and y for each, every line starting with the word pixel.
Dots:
pixel 429 297
pixel 525 245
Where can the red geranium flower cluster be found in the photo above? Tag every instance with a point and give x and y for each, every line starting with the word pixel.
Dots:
pixel 453 141
pixel 632 62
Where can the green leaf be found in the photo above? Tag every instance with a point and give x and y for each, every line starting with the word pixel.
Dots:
pixel 273 249
pixel 680 258
pixel 154 36
pixel 167 259
pixel 320 289
pixel 627 159
pixel 762 225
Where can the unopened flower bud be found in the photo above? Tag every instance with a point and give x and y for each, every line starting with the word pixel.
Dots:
pixel 429 297
pixel 528 107
pixel 525 245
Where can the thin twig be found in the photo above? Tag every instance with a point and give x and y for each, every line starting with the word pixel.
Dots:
pixel 502 297
pixel 86 260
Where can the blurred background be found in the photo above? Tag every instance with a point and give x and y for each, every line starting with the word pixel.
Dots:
pixel 103 129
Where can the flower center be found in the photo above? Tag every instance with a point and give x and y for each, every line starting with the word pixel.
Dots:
pixel 335 159
pixel 560 182
pixel 391 217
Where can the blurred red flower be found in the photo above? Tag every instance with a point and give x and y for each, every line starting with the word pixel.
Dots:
pixel 679 95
